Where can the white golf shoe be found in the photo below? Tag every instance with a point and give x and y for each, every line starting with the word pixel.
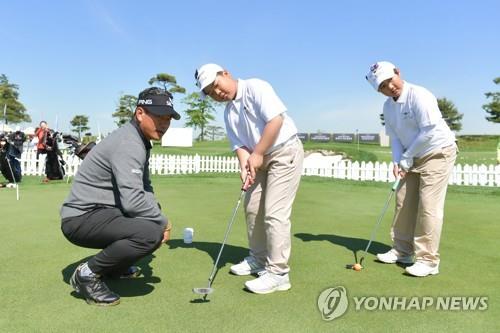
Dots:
pixel 268 282
pixel 393 256
pixel 421 269
pixel 248 266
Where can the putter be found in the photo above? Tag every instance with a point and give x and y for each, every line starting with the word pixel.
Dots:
pixel 208 289
pixel 393 189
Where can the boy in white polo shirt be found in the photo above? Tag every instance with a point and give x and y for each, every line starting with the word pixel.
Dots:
pixel 423 152
pixel 265 140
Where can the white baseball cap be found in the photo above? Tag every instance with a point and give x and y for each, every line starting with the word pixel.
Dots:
pixel 206 74
pixel 379 72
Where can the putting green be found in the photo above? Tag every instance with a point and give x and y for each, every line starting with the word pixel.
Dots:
pixel 331 220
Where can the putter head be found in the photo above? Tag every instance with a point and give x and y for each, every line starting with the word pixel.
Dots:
pixel 357 267
pixel 203 291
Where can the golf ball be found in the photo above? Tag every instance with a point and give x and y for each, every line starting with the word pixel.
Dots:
pixel 357 267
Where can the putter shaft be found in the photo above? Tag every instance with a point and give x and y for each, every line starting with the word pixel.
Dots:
pixel 228 229
pixel 231 221
pixel 374 231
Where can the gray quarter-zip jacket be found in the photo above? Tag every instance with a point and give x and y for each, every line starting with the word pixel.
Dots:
pixel 115 173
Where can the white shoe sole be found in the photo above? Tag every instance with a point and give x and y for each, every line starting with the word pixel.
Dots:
pixel 283 287
pixel 402 261
pixel 433 272
pixel 242 273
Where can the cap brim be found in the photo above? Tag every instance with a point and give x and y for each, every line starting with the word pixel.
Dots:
pixel 160 110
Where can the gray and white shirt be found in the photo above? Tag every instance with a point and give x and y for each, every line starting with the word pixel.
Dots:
pixel 115 173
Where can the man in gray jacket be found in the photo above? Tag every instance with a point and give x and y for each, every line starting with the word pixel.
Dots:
pixel 112 206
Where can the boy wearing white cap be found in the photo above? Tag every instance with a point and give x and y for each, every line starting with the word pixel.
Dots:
pixel 265 140
pixel 423 152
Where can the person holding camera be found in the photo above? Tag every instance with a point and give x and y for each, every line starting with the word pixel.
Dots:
pixel 43 136
pixel 41 133
pixel 112 204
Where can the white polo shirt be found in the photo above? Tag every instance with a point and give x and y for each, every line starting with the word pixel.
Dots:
pixel 254 106
pixel 415 109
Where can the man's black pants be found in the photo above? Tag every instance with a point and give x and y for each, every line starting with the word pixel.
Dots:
pixel 123 240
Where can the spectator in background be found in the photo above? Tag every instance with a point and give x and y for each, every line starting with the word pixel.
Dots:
pixel 41 134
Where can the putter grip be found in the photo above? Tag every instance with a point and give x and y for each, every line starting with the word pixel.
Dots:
pixel 244 187
pixel 396 184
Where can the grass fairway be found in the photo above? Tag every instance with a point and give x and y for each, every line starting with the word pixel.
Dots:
pixel 331 219
pixel 474 149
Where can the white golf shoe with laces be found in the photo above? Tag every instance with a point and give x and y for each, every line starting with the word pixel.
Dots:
pixel 268 282
pixel 393 256
pixel 248 266
pixel 421 269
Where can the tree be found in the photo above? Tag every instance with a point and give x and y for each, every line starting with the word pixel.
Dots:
pixel 199 112
pixel 493 108
pixel 167 82
pixel 9 95
pixel 79 124
pixel 450 114
pixel 125 109
pixel 215 132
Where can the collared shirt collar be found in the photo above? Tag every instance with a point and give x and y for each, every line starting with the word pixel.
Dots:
pixel 404 94
pixel 146 142
pixel 239 92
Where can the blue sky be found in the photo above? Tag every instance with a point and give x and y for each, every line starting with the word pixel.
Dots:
pixel 78 57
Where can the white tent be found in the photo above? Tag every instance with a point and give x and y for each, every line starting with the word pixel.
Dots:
pixel 5 128
pixel 29 131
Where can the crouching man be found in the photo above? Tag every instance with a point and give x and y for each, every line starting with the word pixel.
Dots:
pixel 112 206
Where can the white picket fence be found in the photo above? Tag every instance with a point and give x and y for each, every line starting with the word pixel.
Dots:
pixel 469 175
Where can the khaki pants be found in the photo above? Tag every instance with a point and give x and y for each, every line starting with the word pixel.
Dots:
pixel 420 200
pixel 268 206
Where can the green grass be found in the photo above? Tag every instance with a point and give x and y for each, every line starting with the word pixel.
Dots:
pixel 474 149
pixel 331 219
pixel 478 149
pixel 217 148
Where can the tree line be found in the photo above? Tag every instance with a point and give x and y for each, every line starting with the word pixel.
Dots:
pixel 200 112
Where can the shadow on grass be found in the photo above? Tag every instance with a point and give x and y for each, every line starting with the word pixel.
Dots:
pixel 139 286
pixel 230 254
pixel 350 243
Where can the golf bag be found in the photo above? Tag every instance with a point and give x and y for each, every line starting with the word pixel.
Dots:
pixel 76 148
pixel 54 164
pixel 11 147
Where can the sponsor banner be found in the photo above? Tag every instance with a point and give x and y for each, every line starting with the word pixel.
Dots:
pixel 303 136
pixel 369 138
pixel 344 137
pixel 320 137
